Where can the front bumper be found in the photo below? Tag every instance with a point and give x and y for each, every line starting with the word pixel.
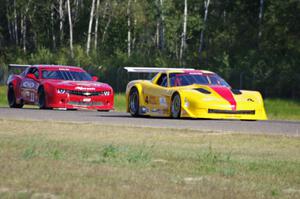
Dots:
pixel 257 114
pixel 67 101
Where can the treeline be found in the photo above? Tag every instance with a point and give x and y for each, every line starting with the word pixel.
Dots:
pixel 253 44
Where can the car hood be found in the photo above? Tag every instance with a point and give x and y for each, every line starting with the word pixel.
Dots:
pixel 216 92
pixel 225 93
pixel 234 97
pixel 79 85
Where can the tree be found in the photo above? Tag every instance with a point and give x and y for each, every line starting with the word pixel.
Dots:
pixel 61 21
pixel 183 36
pixel 260 17
pixel 96 24
pixel 250 43
pixel 88 43
pixel 70 28
pixel 206 6
pixel 129 28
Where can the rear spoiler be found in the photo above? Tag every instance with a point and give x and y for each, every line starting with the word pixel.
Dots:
pixel 17 66
pixel 153 69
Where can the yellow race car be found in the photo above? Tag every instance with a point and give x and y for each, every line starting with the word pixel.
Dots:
pixel 189 93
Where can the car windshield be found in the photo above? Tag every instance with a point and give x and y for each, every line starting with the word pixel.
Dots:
pixel 66 75
pixel 185 79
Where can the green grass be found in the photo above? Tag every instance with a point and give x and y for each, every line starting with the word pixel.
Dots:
pixel 3 100
pixel 279 109
pixel 283 109
pixel 65 160
pixel 120 102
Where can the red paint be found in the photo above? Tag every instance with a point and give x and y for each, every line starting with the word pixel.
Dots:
pixel 225 93
pixel 77 95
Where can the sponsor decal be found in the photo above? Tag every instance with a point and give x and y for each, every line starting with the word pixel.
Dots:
pixel 144 110
pixel 86 99
pixel 152 100
pixel 27 93
pixel 84 88
pixel 89 84
pixel 64 69
pixel 162 101
pixel 154 110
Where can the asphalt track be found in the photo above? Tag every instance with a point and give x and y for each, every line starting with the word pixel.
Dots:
pixel 289 128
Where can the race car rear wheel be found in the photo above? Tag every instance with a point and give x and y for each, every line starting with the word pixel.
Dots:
pixel 11 98
pixel 42 98
pixel 134 102
pixel 176 106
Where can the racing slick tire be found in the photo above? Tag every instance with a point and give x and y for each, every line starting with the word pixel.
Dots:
pixel 11 98
pixel 176 106
pixel 42 98
pixel 134 102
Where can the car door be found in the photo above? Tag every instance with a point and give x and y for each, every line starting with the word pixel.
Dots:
pixel 29 85
pixel 157 96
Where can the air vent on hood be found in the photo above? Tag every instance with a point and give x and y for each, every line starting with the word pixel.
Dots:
pixel 202 90
pixel 236 91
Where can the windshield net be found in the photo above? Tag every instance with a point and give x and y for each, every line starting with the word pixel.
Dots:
pixel 185 79
pixel 66 75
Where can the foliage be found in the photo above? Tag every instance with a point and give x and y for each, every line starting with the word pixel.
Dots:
pixel 251 53
pixel 3 100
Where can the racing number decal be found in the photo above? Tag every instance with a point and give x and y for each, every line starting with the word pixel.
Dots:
pixel 28 84
pixel 31 96
pixel 28 90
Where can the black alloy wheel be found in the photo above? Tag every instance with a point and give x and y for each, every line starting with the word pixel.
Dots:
pixel 176 106
pixel 134 102
pixel 42 98
pixel 11 98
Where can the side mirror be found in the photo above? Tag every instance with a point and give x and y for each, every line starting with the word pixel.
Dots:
pixel 95 78
pixel 31 76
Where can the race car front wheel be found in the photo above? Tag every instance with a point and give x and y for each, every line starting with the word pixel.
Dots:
pixel 11 98
pixel 134 102
pixel 42 98
pixel 176 106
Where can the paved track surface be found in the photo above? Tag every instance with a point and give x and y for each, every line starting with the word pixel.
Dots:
pixel 124 119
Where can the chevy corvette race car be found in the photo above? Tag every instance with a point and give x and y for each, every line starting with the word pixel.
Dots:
pixel 64 87
pixel 190 93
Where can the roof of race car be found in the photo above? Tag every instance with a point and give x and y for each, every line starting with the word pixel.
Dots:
pixel 169 70
pixel 55 66
pixel 45 66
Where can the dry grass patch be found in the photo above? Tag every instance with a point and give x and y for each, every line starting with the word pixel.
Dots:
pixel 63 160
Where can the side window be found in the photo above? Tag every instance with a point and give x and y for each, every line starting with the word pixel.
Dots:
pixel 34 71
pixel 176 79
pixel 162 80
pixel 25 72
pixel 172 79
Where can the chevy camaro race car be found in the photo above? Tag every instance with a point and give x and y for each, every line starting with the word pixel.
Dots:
pixel 64 87
pixel 190 93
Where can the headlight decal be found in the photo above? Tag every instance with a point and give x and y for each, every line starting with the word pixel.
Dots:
pixel 186 102
pixel 61 91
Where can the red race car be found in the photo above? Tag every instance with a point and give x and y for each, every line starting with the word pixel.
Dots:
pixel 63 87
